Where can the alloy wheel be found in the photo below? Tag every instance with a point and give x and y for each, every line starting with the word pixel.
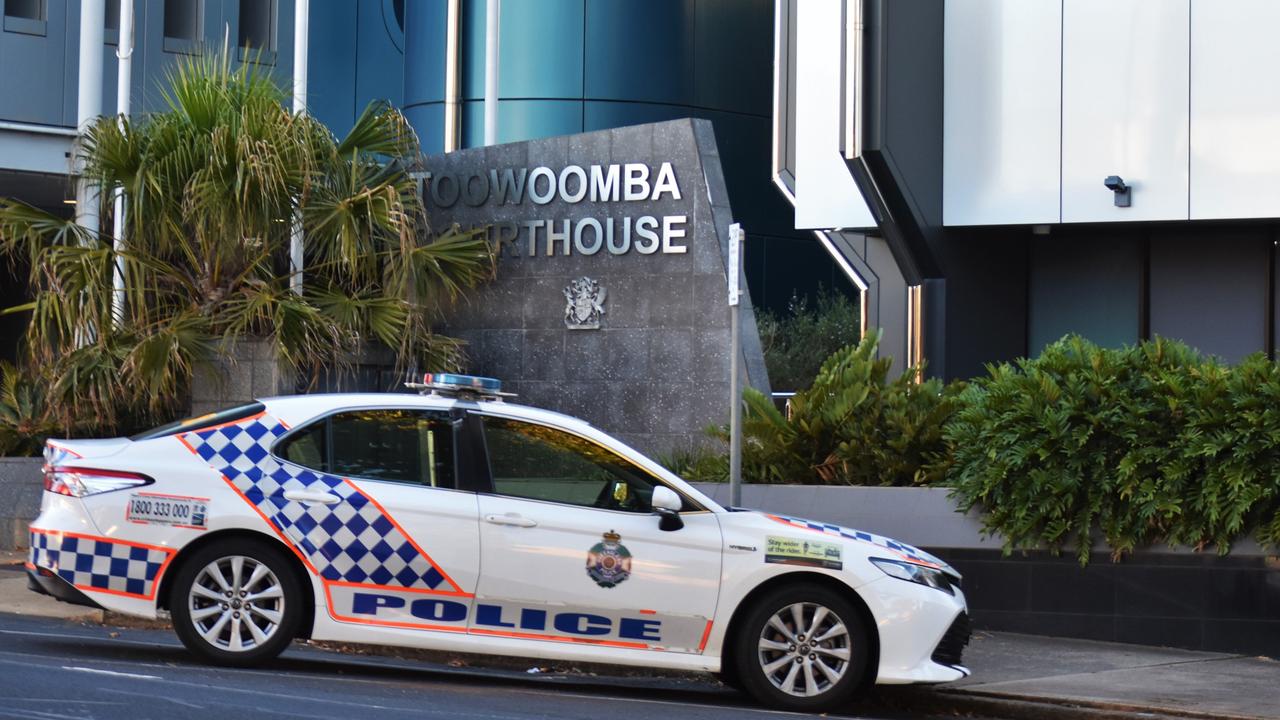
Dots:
pixel 804 649
pixel 236 603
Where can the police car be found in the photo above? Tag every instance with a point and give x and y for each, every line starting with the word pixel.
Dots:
pixel 456 520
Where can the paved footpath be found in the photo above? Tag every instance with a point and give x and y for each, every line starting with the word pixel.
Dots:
pixel 1014 676
pixel 1042 677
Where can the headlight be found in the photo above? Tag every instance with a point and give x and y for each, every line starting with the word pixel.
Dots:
pixel 911 572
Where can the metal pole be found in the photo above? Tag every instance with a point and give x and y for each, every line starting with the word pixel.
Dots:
pixel 735 366
pixel 301 24
pixel 124 79
pixel 89 101
pixel 452 76
pixel 493 12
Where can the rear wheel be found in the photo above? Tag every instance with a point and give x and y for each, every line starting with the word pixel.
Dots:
pixel 236 603
pixel 802 648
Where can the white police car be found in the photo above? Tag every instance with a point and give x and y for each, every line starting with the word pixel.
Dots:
pixel 456 521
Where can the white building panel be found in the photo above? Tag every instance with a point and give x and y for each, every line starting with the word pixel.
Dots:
pixel 826 195
pixel 1002 122
pixel 1235 109
pixel 1125 95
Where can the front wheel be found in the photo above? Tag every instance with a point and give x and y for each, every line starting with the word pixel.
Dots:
pixel 802 648
pixel 236 603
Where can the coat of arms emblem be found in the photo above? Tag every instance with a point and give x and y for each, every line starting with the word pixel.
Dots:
pixel 608 562
pixel 584 304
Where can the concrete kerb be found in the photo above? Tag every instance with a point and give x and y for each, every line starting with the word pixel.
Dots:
pixel 968 702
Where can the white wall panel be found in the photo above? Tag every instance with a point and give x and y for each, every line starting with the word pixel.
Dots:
pixel 1002 129
pixel 1235 109
pixel 1124 99
pixel 826 196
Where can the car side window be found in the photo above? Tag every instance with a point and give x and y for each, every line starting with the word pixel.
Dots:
pixel 537 462
pixel 395 445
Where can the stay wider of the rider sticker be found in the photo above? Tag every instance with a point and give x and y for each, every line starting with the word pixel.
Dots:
pixel 172 510
pixel 797 551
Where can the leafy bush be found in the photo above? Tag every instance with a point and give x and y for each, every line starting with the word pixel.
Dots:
pixel 1144 444
pixel 26 418
pixel 697 464
pixel 852 426
pixel 796 343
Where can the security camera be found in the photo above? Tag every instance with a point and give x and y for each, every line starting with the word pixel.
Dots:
pixel 1123 193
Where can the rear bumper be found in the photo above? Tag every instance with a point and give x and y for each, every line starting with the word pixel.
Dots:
pixel 57 588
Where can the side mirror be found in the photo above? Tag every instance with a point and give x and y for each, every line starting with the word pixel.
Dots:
pixel 666 503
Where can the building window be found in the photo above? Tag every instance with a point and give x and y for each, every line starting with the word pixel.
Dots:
pixel 182 25
pixel 29 9
pixel 111 23
pixel 25 16
pixel 258 27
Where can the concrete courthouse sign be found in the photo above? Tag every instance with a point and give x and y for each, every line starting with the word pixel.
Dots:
pixel 611 296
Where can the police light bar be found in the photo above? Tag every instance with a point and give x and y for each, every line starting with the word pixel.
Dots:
pixel 456 384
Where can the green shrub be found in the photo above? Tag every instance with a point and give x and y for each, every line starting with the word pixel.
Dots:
pixel 697 464
pixel 852 426
pixel 26 417
pixel 797 342
pixel 1144 444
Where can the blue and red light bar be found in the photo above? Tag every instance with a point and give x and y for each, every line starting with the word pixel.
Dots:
pixel 455 382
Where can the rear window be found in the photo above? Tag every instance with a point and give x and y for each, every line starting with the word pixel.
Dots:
pixel 200 422
pixel 408 446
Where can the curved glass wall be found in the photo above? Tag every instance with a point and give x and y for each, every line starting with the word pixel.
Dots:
pixel 570 66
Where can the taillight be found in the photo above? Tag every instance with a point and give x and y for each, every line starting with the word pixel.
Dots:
pixel 79 482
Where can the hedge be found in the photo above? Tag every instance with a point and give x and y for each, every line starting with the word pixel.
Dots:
pixel 1139 445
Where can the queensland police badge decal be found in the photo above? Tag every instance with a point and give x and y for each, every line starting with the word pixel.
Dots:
pixel 609 562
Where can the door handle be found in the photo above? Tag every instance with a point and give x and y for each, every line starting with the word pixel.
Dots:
pixel 311 496
pixel 511 519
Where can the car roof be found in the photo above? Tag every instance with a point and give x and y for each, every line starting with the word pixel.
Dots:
pixel 326 402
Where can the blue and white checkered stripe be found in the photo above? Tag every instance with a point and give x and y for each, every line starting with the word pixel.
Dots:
pixel 349 541
pixel 861 536
pixel 99 563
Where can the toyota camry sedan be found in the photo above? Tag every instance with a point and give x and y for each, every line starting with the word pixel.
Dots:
pixel 457 520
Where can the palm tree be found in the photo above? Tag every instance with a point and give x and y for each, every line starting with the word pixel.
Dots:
pixel 212 185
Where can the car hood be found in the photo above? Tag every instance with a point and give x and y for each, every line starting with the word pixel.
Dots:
pixel 893 548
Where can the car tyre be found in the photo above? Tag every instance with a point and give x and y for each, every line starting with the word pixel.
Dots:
pixel 237 602
pixel 803 648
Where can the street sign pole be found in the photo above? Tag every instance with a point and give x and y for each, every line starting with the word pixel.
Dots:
pixel 735 366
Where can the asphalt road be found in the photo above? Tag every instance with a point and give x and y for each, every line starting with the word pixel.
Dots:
pixel 57 670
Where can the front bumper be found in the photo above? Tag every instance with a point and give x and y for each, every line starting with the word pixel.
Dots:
pixel 915 622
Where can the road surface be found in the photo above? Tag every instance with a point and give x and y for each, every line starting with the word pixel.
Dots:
pixel 58 670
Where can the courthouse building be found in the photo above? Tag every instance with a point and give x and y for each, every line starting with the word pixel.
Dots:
pixel 989 174
pixel 566 66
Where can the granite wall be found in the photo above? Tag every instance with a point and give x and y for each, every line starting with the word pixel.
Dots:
pixel 20 486
pixel 656 371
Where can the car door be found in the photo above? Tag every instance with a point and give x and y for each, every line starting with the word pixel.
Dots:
pixel 571 551
pixel 401 546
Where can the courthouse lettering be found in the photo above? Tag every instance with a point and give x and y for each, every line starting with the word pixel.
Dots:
pixel 619 183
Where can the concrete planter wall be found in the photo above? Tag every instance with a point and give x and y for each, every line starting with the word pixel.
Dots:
pixel 20 485
pixel 925 517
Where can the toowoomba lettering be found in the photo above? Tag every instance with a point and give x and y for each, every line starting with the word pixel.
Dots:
pixel 597 184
